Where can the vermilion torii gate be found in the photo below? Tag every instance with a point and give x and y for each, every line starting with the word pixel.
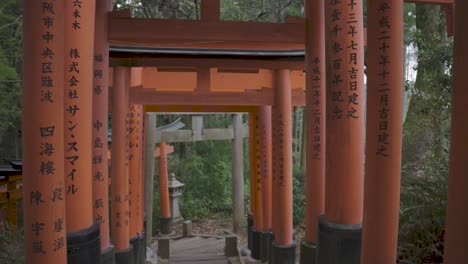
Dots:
pixel 211 65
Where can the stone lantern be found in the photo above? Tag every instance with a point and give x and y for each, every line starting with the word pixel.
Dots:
pixel 175 191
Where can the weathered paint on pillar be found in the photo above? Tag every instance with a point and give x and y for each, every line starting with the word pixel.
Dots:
pixel 43 145
pixel 264 128
pixel 134 159
pixel 457 214
pixel 258 188
pixel 79 48
pixel 100 172
pixel 316 116
pixel 274 169
pixel 163 182
pixel 150 130
pixel 237 174
pixel 253 162
pixel 119 160
pixel 283 152
pixel 384 131
pixel 141 212
pixel 345 112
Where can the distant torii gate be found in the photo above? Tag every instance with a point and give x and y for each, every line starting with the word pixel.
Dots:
pixel 63 148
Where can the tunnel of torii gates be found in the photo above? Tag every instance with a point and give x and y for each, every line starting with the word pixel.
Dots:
pixel 209 65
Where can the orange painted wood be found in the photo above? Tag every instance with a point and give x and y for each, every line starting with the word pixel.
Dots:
pixel 79 47
pixel 252 162
pixel 430 1
pixel 141 213
pixel 384 132
pixel 169 150
pixel 457 215
pixel 282 142
pixel 156 31
pixel 164 182
pixel 119 160
pixel 42 128
pixel 345 113
pixel 316 117
pixel 134 159
pixel 240 63
pixel 100 91
pixel 257 177
pixel 265 148
pixel 198 108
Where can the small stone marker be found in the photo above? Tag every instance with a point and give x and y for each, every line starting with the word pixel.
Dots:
pixel 187 228
pixel 163 248
pixel 230 248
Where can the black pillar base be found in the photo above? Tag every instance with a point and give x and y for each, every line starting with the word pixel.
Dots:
pixel 338 243
pixel 308 253
pixel 166 225
pixel 108 255
pixel 249 230
pixel 124 256
pixel 265 244
pixel 143 247
pixel 256 239
pixel 135 242
pixel 84 246
pixel 282 254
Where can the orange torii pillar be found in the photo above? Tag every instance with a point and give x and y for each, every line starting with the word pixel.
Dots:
pixel 252 177
pixel 83 238
pixel 257 227
pixel 283 248
pixel 43 145
pixel 340 229
pixel 134 158
pixel 166 218
pixel 384 131
pixel 316 120
pixel 100 172
pixel 457 215
pixel 119 167
pixel 264 138
pixel 141 194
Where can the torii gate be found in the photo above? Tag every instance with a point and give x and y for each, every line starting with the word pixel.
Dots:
pixel 62 128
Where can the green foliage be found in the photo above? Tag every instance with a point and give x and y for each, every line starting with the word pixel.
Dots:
pixel 11 247
pixel 298 196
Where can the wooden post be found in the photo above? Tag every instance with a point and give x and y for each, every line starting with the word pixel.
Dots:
pixel 283 248
pixel 149 173
pixel 237 174
pixel 210 10
pixel 166 219
pixel 340 229
pixel 258 192
pixel 43 145
pixel 265 142
pixel 384 131
pixel 134 159
pixel 457 215
pixel 252 183
pixel 100 171
pixel 316 121
pixel 119 166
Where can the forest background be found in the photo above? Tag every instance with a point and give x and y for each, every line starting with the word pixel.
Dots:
pixel 205 167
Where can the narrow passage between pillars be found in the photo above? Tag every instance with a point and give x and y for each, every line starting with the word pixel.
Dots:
pixel 384 131
pixel 119 167
pixel 166 219
pixel 283 247
pixel 316 120
pixel 340 227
